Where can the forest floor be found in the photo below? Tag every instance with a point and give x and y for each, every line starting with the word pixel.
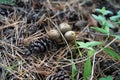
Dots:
pixel 60 40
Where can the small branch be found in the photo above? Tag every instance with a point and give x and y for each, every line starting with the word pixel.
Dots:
pixel 92 73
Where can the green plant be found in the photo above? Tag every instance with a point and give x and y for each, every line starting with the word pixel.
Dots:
pixel 107 78
pixel 89 46
pixel 105 29
pixel 7 1
pixel 116 18
pixel 88 66
pixel 74 70
pixel 106 25
pixel 103 21
pixel 103 11
pixel 112 53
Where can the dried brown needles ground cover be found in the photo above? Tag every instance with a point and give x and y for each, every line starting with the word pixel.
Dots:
pixel 37 39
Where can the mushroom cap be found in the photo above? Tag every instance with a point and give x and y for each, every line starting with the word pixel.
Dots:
pixel 64 27
pixel 53 34
pixel 70 35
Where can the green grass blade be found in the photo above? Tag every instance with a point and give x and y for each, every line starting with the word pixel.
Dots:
pixel 100 30
pixel 87 69
pixel 74 70
pixel 112 53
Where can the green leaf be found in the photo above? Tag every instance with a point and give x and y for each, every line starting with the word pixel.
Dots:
pixel 118 22
pixel 96 17
pixel 112 53
pixel 87 69
pixel 115 18
pixel 107 12
pixel 118 13
pixel 109 24
pixel 107 29
pixel 82 45
pixel 99 18
pixel 103 11
pixel 88 66
pixel 98 10
pixel 100 30
pixel 117 36
pixel 107 78
pixel 74 70
pixel 93 43
pixel 78 49
pixel 90 53
pixel 88 45
pixel 7 1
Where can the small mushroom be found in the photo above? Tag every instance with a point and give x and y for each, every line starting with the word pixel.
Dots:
pixel 70 35
pixel 64 27
pixel 54 34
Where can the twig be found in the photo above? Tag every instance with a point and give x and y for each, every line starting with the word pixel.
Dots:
pixel 15 23
pixel 96 54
